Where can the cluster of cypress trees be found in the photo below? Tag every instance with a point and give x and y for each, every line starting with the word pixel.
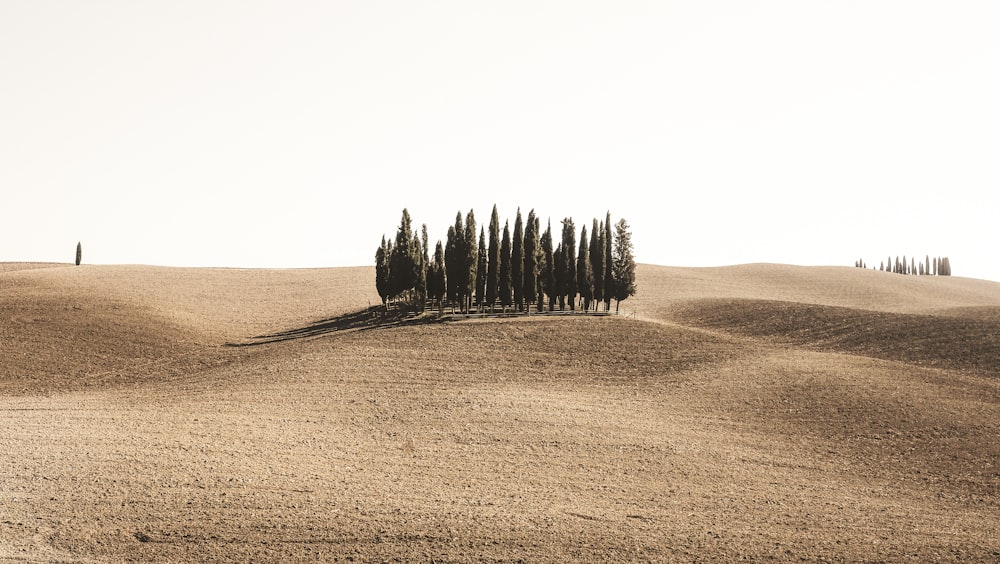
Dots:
pixel 939 266
pixel 520 270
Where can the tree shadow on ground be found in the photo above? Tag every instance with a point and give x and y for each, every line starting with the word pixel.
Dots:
pixel 374 317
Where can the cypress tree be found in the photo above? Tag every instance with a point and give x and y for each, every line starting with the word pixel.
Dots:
pixel 927 265
pixel 531 246
pixel 482 294
pixel 913 265
pixel 436 282
pixel 569 288
pixel 506 291
pixel 624 263
pixel 402 260
pixel 419 294
pixel 493 267
pixel 471 257
pixel 547 273
pixel 422 268
pixel 382 271
pixel 559 273
pixel 517 263
pixel 584 276
pixel 454 260
pixel 79 253
pixel 609 277
pixel 597 261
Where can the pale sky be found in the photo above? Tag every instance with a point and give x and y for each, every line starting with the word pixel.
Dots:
pixel 291 134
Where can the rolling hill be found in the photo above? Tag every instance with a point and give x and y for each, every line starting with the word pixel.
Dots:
pixel 734 413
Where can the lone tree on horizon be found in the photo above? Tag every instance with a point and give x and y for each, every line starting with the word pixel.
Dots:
pixel 79 253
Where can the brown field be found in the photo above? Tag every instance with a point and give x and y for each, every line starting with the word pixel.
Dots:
pixel 752 412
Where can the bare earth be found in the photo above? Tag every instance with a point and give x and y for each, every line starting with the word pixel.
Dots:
pixel 752 412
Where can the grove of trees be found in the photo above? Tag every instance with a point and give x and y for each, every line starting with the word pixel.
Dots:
pixel 515 271
pixel 939 266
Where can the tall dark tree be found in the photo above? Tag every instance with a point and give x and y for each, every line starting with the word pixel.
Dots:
pixel 419 293
pixel 597 261
pixel 624 263
pixel 436 284
pixel 559 273
pixel 79 253
pixel 425 263
pixel 382 270
pixel 506 291
pixel 482 293
pixel 472 258
pixel 517 263
pixel 584 276
pixel 609 275
pixel 547 275
pixel 492 281
pixel 403 261
pixel 454 261
pixel 569 288
pixel 531 246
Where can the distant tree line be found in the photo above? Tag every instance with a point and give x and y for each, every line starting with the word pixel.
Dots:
pixel 517 271
pixel 939 266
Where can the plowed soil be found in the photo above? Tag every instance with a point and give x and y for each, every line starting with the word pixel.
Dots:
pixel 754 412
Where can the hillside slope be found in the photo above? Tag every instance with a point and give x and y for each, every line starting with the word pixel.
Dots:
pixel 66 327
pixel 743 413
